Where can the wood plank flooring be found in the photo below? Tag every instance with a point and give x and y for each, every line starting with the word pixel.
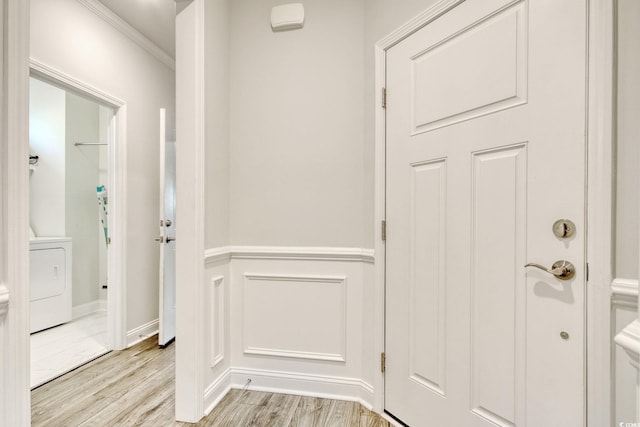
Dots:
pixel 135 387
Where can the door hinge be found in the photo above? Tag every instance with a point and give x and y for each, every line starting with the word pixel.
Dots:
pixel 383 362
pixel 384 230
pixel 587 272
pixel 384 97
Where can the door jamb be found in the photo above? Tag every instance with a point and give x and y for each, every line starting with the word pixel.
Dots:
pixel 599 195
pixel 15 398
pixel 117 178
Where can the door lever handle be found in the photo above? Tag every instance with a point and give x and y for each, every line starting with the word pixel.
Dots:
pixel 562 269
pixel 159 239
pixel 170 239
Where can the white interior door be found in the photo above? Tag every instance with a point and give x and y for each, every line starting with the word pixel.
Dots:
pixel 485 151
pixel 167 242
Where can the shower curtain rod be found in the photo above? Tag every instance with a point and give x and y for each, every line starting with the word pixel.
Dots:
pixel 90 143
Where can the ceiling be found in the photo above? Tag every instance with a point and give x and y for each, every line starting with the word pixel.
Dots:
pixel 155 19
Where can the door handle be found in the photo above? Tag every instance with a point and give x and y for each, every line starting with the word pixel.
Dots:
pixel 159 239
pixel 170 239
pixel 562 269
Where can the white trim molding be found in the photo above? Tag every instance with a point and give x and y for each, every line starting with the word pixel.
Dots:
pixel 340 333
pixel 15 396
pixel 191 318
pixel 217 390
pixel 4 301
pixel 87 308
pixel 117 153
pixel 629 340
pixel 142 332
pixel 323 386
pixel 130 32
pixel 429 15
pixel 305 253
pixel 625 288
pixel 60 78
pixel 217 316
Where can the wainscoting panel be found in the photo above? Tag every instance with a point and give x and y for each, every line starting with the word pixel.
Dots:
pixel 217 319
pixel 295 321
pixel 480 87
pixel 217 328
pixel 295 316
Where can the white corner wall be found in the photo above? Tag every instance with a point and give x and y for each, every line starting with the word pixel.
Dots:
pixel 68 37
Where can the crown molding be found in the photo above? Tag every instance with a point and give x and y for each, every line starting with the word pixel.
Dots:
pixel 134 35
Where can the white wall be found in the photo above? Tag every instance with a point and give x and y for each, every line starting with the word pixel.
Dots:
pixel 82 167
pixel 625 379
pixel 628 149
pixel 68 37
pixel 47 140
pixel 297 126
pixel 217 124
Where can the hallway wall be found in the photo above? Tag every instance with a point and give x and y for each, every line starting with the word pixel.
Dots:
pixel 69 37
pixel 297 126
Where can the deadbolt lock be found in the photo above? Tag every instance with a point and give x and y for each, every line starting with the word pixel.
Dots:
pixel 564 228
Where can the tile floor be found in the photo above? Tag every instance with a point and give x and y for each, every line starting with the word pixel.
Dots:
pixel 58 350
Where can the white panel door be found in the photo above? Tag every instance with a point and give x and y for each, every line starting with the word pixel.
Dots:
pixel 485 151
pixel 167 236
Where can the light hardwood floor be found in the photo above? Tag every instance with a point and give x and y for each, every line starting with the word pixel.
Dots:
pixel 135 387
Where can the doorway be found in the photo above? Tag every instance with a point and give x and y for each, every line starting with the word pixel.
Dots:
pixel 69 235
pixel 101 156
pixel 486 166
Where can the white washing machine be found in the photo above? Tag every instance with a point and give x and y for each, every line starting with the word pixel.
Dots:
pixel 50 281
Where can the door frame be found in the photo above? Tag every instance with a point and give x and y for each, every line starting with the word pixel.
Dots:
pixel 15 397
pixel 600 121
pixel 116 181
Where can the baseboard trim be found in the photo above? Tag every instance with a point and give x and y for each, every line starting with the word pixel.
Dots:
pixel 216 391
pixel 321 386
pixel 325 387
pixel 306 253
pixel 142 332
pixel 88 308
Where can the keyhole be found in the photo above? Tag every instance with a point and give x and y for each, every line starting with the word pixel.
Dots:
pixel 564 228
pixel 564 335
